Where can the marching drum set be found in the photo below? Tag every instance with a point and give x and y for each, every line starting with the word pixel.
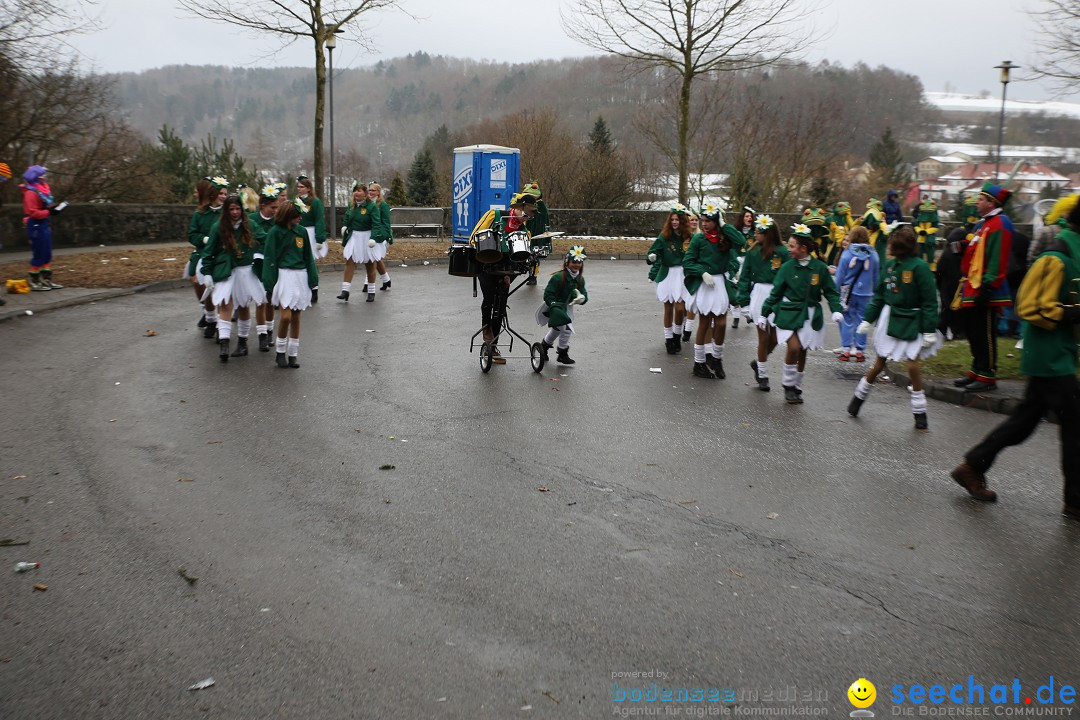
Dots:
pixel 505 255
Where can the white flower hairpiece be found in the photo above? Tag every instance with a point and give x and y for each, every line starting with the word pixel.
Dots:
pixel 764 222
pixel 800 229
pixel 220 181
pixel 577 252
pixel 680 209
pixel 270 191
pixel 301 206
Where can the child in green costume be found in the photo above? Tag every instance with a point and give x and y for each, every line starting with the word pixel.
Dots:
pixel 759 269
pixel 665 259
pixel 564 290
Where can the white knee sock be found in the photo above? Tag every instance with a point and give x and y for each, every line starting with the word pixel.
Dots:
pixel 243 327
pixel 294 347
pixel 269 327
pixel 668 333
pixel 677 329
pixel 552 333
pixel 763 369
pixel 798 378
pixel 210 315
pixel 346 286
pixel 281 344
pixel 710 349
pixel 224 327
pixel 862 390
pixel 699 353
pixel 260 329
pixel 690 324
pixel 385 277
pixel 718 350
pixel 918 402
pixel 790 372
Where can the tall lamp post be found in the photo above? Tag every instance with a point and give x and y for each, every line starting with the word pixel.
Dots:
pixel 331 43
pixel 1004 67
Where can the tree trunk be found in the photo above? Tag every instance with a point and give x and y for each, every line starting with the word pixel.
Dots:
pixel 320 104
pixel 684 133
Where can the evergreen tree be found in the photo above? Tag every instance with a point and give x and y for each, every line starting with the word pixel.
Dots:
pixel 605 181
pixel 397 197
pixel 887 161
pixel 600 141
pixel 421 181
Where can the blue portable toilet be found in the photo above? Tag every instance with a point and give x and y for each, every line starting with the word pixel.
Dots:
pixel 485 178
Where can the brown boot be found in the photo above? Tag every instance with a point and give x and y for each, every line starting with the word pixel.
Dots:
pixel 974 482
pixel 496 356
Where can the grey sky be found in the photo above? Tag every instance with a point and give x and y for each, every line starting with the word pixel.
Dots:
pixel 947 43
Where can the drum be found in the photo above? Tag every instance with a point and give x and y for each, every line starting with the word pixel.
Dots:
pixel 519 246
pixel 461 260
pixel 487 246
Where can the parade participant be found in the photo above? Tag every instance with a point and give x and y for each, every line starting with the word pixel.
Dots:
pixel 840 224
pixel 984 288
pixel 905 308
pixel 814 218
pixel 313 215
pixel 210 195
pixel 874 222
pixel 248 198
pixel 38 207
pixel 359 246
pixel 856 276
pixel 927 225
pixel 688 322
pixel 665 258
pixel 1048 302
pixel 708 259
pixel 564 290
pixel 744 224
pixel 796 299
pixel 227 264
pixel 261 222
pixel 948 271
pixel 537 225
pixel 289 273
pixel 763 260
pixel 381 232
pixel 891 206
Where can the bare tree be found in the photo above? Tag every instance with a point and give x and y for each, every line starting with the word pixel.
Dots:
pixel 23 22
pixel 291 21
pixel 1059 57
pixel 693 38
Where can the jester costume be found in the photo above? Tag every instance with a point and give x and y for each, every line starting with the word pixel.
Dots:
pixel 926 228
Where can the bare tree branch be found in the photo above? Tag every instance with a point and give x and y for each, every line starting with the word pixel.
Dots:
pixel 1059 56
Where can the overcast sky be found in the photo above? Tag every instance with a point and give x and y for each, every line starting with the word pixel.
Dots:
pixel 952 44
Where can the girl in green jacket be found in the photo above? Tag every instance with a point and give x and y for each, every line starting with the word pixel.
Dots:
pixel 210 194
pixel 313 219
pixel 665 258
pixel 289 272
pixel 381 232
pixel 564 290
pixel 760 265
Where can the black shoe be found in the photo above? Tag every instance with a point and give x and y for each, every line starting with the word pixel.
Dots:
pixel 563 356
pixel 292 362
pixel 702 370
pixel 264 342
pixel 281 361
pixel 718 369
pixel 210 331
pixel 686 336
pixel 531 280
pixel 855 404
pixel 371 297
pixel 223 349
pixel 920 421
pixel 677 343
pixel 792 396
pixel 241 348
pixel 544 347
pixel 344 296
pixel 980 386
pixel 385 285
pixel 763 384
pixel 735 322
pixel 202 321
pixel 963 381
pixel 669 343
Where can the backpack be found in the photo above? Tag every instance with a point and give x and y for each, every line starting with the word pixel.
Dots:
pixel 1034 287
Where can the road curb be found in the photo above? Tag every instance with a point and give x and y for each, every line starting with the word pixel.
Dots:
pixel 995 402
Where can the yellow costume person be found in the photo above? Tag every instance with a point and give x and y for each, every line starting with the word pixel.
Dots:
pixel 926 229
pixel 874 222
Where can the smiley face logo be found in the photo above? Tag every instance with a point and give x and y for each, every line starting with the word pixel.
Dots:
pixel 862 693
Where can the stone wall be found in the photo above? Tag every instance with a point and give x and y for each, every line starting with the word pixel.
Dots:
pixel 105 224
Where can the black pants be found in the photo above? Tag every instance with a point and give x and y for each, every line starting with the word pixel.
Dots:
pixel 1060 394
pixel 495 290
pixel 980 326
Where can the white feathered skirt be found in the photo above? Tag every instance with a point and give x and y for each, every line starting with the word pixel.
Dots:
pixel 240 289
pixel 672 287
pixel 291 290
pixel 891 348
pixel 357 250
pixel 711 300
pixel 758 295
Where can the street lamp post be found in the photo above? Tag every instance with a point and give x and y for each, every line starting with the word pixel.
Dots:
pixel 331 43
pixel 1004 67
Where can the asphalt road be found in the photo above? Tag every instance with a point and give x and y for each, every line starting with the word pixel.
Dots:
pixel 699 529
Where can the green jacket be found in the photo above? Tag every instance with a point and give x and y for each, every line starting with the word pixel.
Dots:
pixel 380 224
pixel 357 217
pixel 315 217
pixel 1052 281
pixel 538 223
pixel 219 264
pixel 290 249
pixel 669 253
pixel 706 257
pixel 797 291
pixel 759 269
pixel 559 292
pixel 260 227
pixel 198 228
pixel 907 286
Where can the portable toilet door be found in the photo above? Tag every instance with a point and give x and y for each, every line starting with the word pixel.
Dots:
pixel 485 178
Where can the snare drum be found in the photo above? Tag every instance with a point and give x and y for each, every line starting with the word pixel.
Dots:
pixel 487 246
pixel 519 246
pixel 461 260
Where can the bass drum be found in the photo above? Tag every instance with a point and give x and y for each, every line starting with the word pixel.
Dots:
pixel 461 260
pixel 487 247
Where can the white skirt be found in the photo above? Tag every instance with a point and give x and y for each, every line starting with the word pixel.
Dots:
pixel 890 348
pixel 671 288
pixel 542 319
pixel 357 250
pixel 292 291
pixel 810 338
pixel 240 289
pixel 198 270
pixel 711 300
pixel 758 295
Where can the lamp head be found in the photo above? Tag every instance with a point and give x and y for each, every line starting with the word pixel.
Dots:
pixel 1005 67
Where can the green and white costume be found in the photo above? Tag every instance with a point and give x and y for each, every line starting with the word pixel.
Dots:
pixel 905 307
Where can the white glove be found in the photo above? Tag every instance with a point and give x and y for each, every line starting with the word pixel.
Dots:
pixel 837 317
pixel 928 339
pixel 578 299
pixel 864 328
pixel 207 281
pixel 763 322
pixel 370 243
pixel 343 229
pixel 652 257
pixel 707 278
pixel 206 239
